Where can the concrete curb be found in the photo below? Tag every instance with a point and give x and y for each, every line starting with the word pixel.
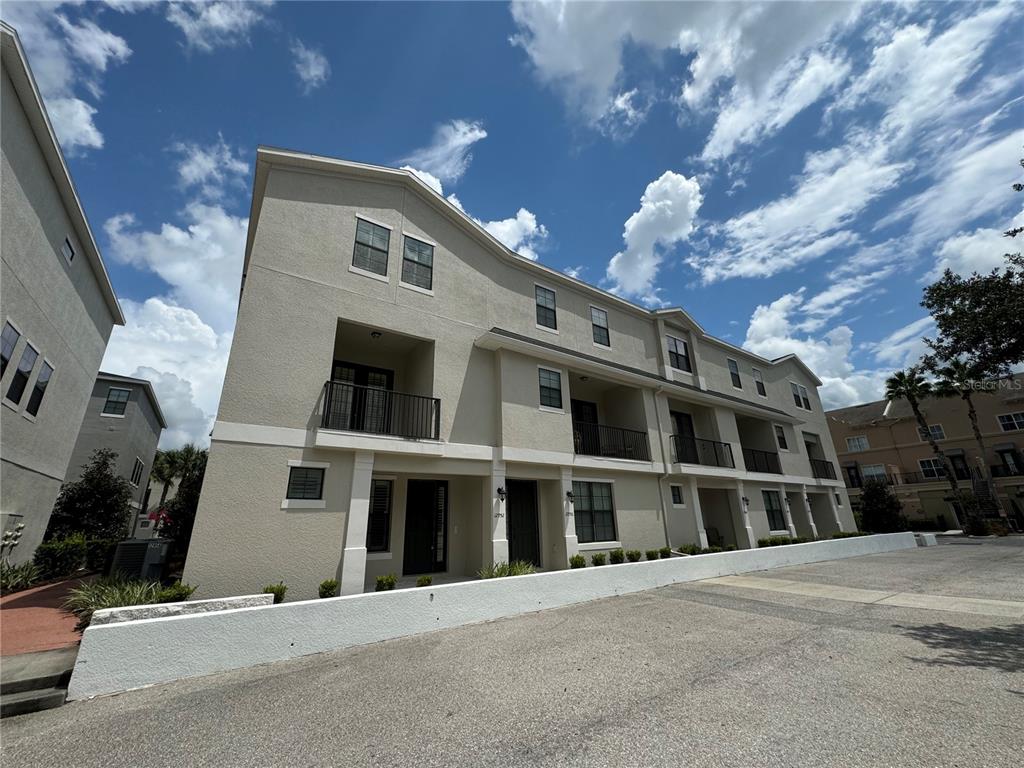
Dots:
pixel 132 654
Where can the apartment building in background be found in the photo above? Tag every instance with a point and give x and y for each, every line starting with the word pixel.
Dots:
pixel 123 416
pixel 406 395
pixel 57 306
pixel 882 441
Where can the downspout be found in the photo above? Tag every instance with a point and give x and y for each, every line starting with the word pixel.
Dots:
pixel 664 464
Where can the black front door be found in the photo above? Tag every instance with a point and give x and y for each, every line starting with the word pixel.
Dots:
pixel 426 527
pixel 686 446
pixel 586 434
pixel 523 525
pixel 364 406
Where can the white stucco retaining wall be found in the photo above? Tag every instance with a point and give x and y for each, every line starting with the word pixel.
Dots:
pixel 121 656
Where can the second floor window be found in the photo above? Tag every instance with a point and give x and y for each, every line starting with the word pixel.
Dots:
pixel 800 396
pixel 117 401
pixel 934 431
pixel 759 383
pixel 305 483
pixel 7 345
pixel 137 472
pixel 873 472
pixel 734 374
pixel 677 495
pixel 599 321
pixel 39 389
pixel 932 468
pixel 550 388
pixel 678 354
pixel 1010 422
pixel 546 317
pixel 20 379
pixel 773 508
pixel 857 443
pixel 780 438
pixel 418 264
pixel 378 525
pixel 371 251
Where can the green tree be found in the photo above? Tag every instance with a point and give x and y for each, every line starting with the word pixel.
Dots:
pixel 96 505
pixel 180 512
pixel 958 378
pixel 164 471
pixel 880 510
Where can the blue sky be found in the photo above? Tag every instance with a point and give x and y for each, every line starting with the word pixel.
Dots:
pixel 790 174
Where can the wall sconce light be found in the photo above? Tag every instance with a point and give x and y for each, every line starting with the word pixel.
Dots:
pixel 746 501
pixel 501 492
pixel 569 495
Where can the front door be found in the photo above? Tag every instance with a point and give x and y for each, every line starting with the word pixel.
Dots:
pixel 686 445
pixel 363 405
pixel 586 434
pixel 426 527
pixel 960 468
pixel 523 524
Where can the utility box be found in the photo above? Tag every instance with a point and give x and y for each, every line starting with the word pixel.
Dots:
pixel 141 558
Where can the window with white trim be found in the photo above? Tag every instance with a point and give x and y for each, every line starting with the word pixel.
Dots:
pixel 677 495
pixel 599 323
pixel 594 511
pixel 679 354
pixel 39 389
pixel 550 387
pixel 67 250
pixel 800 396
pixel 305 483
pixel 873 472
pixel 117 401
pixel 759 383
pixel 546 307
pixel 734 373
pixel 857 443
pixel 932 468
pixel 19 381
pixel 780 437
pixel 137 470
pixel 7 344
pixel 371 249
pixel 934 431
pixel 1010 422
pixel 773 508
pixel 418 263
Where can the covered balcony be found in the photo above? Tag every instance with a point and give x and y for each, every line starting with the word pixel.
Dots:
pixel 821 467
pixel 693 430
pixel 757 437
pixel 608 419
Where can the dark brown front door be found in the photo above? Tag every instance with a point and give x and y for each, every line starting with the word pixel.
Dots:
pixel 586 433
pixel 686 445
pixel 426 527
pixel 523 523
pixel 361 401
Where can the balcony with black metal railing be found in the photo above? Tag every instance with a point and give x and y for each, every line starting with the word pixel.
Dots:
pixel 372 410
pixel 1005 470
pixel 762 461
pixel 823 469
pixel 697 450
pixel 610 442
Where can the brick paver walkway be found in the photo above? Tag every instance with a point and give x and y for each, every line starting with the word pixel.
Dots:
pixel 32 620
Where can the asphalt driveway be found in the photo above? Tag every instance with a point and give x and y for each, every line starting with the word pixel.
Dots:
pixel 833 664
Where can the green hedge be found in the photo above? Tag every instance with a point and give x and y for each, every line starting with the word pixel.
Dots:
pixel 58 558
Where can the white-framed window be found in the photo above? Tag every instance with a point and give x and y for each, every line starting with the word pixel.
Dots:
pixel 418 263
pixel 734 373
pixel 773 509
pixel 371 248
pixel 873 471
pixel 39 388
pixel 801 398
pixel 759 382
pixel 857 443
pixel 839 499
pixel 780 437
pixel 678 500
pixel 11 335
pixel 1011 422
pixel 305 485
pixel 594 510
pixel 934 431
pixel 547 307
pixel 679 354
pixel 599 324
pixel 117 401
pixel 550 382
pixel 19 382
pixel 67 250
pixel 137 470
pixel 932 468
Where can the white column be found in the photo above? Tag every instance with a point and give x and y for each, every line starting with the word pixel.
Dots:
pixel 698 516
pixel 835 508
pixel 748 531
pixel 495 506
pixel 807 509
pixel 788 511
pixel 353 559
pixel 572 546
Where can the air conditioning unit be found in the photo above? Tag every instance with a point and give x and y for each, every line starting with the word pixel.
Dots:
pixel 141 558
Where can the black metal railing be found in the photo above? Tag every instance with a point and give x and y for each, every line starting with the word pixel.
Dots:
pixel 762 461
pixel 697 450
pixel 610 442
pixel 1005 470
pixel 356 408
pixel 938 475
pixel 822 468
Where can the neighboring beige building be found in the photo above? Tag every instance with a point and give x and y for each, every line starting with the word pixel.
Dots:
pixel 57 306
pixel 882 440
pixel 406 395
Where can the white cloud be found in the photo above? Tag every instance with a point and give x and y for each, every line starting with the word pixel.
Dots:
pixel 73 121
pixel 979 251
pixel 668 209
pixel 310 65
pixel 624 114
pixel 220 23
pixel 905 345
pixel 575 272
pixel 448 155
pixel 92 45
pixel 433 182
pixel 213 169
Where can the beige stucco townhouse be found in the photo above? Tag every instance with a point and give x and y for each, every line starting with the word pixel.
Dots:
pixel 406 395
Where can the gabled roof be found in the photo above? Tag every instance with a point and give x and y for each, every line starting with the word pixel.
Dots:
pixel 16 65
pixel 267 157
pixel 146 386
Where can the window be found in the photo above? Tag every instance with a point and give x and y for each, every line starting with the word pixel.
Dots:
pixel 873 472
pixel 803 397
pixel 857 443
pixel 137 472
pixel 800 396
pixel 68 251
pixel 550 388
pixel 378 526
pixel 932 468
pixel 677 495
pixel 679 354
pixel 117 401
pixel 418 264
pixel 780 438
pixel 934 431
pixel 305 483
pixel 371 251
pixel 734 373
pixel 7 345
pixel 773 507
pixel 599 320
pixel 595 515
pixel 546 317
pixel 839 499
pixel 20 378
pixel 39 389
pixel 1009 422
pixel 759 383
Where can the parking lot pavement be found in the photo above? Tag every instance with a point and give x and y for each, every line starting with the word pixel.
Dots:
pixel 699 674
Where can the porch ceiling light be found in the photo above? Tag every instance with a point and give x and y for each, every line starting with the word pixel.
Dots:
pixel 375 334
pixel 501 492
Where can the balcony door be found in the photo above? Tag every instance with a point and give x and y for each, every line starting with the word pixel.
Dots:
pixel 586 435
pixel 362 406
pixel 523 523
pixel 426 527
pixel 686 445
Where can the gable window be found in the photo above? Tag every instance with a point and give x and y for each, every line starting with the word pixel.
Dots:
pixel 759 383
pixel 546 317
pixel 780 438
pixel 804 397
pixel 418 263
pixel 599 322
pixel 7 345
pixel 594 512
pixel 800 396
pixel 117 401
pixel 734 373
pixel 20 380
pixel 773 508
pixel 378 526
pixel 39 389
pixel 679 354
pixel 137 472
pixel 68 250
pixel 371 250
pixel 932 468
pixel 550 388
pixel 934 431
pixel 1010 422
pixel 857 443
pixel 305 483
pixel 677 496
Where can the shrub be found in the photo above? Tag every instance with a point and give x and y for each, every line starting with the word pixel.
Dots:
pixel 424 581
pixel 577 561
pixel 97 505
pixel 665 552
pixel 847 534
pixel 110 592
pixel 880 510
pixel 386 583
pixel 689 549
pixel 14 578
pixel 175 593
pixel 58 558
pixel 328 588
pixel 616 556
pixel 653 554
pixel 277 590
pixel 713 549
pixel 633 555
pixel 779 541
pixel 503 569
pixel 99 554
pixel 598 558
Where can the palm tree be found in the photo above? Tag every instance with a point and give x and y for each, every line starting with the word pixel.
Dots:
pixel 165 470
pixel 957 379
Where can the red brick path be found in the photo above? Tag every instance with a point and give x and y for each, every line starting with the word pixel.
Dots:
pixel 32 620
